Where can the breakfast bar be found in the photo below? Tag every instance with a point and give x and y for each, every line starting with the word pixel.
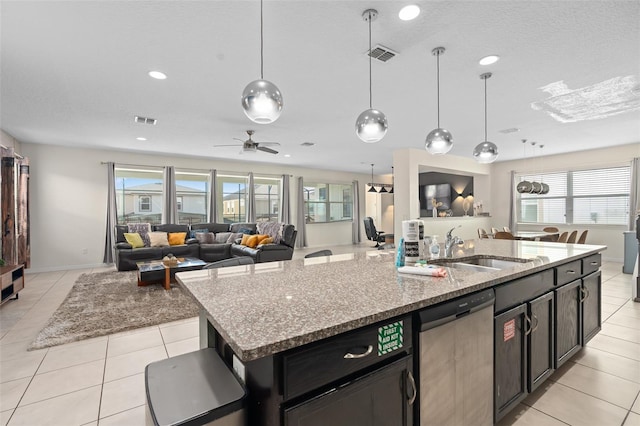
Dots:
pixel 298 333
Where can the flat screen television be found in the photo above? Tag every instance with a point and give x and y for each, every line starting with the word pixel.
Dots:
pixel 441 192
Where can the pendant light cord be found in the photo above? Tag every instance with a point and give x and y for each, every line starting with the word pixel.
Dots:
pixel 370 91
pixel 438 84
pixel 485 109
pixel 372 175
pixel 261 46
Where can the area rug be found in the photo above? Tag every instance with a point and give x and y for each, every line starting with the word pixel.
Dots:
pixel 108 302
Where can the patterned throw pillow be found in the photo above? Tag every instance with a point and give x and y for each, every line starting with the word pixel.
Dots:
pixel 233 237
pixel 177 238
pixel 143 229
pixel 205 237
pixel 158 239
pixel 272 229
pixel 134 239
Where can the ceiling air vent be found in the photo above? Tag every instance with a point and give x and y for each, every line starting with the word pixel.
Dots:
pixel 509 130
pixel 145 120
pixel 307 144
pixel 381 53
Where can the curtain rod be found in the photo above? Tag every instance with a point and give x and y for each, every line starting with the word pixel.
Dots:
pixel 182 168
pixel 14 153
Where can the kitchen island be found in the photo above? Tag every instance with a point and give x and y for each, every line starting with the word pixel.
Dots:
pixel 267 320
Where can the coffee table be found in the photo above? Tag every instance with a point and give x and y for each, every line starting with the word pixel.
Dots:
pixel 155 270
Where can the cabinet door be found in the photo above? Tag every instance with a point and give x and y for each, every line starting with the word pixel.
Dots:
pixel 540 340
pixel 379 399
pixel 567 316
pixel 591 313
pixel 510 344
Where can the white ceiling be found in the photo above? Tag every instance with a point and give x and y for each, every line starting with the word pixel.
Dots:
pixel 74 73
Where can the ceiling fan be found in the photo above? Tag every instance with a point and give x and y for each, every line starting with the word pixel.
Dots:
pixel 251 146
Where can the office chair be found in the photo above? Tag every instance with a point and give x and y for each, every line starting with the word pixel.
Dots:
pixel 372 233
pixel 319 253
pixel 234 261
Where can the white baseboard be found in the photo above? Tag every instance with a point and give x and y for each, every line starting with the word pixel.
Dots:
pixel 65 268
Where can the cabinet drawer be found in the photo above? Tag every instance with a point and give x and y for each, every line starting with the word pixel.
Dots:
pixel 568 272
pixel 318 364
pixel 591 264
pixel 524 289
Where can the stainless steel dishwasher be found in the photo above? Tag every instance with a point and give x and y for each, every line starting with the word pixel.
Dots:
pixel 455 363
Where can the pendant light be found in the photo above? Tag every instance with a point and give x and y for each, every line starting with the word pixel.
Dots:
pixel 485 152
pixel 439 141
pixel 392 181
pixel 524 187
pixel 371 125
pixel 545 187
pixel 261 99
pixel 372 189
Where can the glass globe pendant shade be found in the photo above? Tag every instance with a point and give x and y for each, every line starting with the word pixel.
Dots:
pixel 485 152
pixel 524 187
pixel 262 101
pixel 438 142
pixel 371 126
pixel 545 189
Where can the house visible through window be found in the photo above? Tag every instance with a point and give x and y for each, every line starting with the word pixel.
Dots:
pixel 179 203
pixel 336 207
pixel 596 196
pixel 192 196
pixel 145 203
pixel 139 194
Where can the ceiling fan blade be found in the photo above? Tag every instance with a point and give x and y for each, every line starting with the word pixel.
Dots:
pixel 269 143
pixel 265 149
pixel 217 146
pixel 236 139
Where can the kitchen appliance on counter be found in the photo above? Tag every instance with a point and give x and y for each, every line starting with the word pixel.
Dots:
pixel 455 363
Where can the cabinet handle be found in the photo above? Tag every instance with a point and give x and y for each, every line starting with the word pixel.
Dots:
pixel 527 330
pixel 594 263
pixel 412 382
pixel 585 294
pixel 535 326
pixel 349 355
pixel 571 272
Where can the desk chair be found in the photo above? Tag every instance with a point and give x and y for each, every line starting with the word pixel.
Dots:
pixel 572 237
pixel 372 233
pixel 583 237
pixel 501 235
pixel 319 253
pixel 563 237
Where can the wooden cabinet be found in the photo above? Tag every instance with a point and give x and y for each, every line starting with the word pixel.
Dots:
pixel 12 277
pixel 567 317
pixel 591 307
pixel 540 348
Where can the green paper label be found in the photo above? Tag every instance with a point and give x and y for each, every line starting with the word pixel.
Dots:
pixel 390 338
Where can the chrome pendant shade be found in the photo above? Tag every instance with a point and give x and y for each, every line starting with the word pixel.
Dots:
pixel 526 187
pixel 371 125
pixel 261 99
pixel 485 152
pixel 439 141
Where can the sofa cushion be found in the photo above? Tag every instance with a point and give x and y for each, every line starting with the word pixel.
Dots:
pixel 205 237
pixel 177 238
pixel 141 228
pixel 272 229
pixel 234 237
pixel 222 237
pixel 245 228
pixel 158 239
pixel 134 239
pixel 211 227
pixel 171 227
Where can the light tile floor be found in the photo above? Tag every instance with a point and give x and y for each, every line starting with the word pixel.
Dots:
pixel 101 381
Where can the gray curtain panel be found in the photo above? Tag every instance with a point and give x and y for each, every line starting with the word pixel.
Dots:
pixel 213 182
pixel 112 215
pixel 301 240
pixel 355 228
pixel 170 206
pixel 285 207
pixel 512 205
pixel 251 208
pixel 634 193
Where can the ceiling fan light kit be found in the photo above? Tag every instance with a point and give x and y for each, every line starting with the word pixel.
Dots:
pixel 371 125
pixel 485 152
pixel 439 141
pixel 261 99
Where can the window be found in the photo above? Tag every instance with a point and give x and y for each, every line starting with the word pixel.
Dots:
pixel 232 194
pixel 267 198
pixel 138 194
pixel 326 202
pixel 192 196
pixel 597 196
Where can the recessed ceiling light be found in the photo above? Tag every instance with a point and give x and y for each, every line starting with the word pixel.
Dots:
pixel 409 12
pixel 141 139
pixel 157 75
pixel 287 155
pixel 488 60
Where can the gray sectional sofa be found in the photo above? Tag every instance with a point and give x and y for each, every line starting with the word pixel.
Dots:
pixel 223 248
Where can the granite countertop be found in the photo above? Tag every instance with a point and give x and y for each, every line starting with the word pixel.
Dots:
pixel 270 307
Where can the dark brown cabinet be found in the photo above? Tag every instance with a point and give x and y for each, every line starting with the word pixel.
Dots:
pixel 568 318
pixel 591 308
pixel 380 398
pixel 540 348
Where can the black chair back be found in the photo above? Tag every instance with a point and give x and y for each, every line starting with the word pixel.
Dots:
pixel 370 228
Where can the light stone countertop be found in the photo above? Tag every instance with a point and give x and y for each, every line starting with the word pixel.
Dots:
pixel 270 307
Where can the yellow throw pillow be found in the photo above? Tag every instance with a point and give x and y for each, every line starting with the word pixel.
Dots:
pixel 252 241
pixel 177 238
pixel 261 238
pixel 267 240
pixel 245 239
pixel 134 239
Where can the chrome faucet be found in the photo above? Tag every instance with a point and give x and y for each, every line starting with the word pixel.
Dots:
pixel 450 241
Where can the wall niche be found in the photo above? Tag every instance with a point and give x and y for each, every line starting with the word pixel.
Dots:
pixel 452 190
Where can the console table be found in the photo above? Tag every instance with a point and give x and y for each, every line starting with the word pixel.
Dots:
pixel 12 280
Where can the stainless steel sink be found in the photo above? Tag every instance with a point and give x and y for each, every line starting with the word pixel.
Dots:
pixel 480 264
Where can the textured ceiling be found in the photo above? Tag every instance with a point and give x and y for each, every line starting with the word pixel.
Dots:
pixel 74 73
